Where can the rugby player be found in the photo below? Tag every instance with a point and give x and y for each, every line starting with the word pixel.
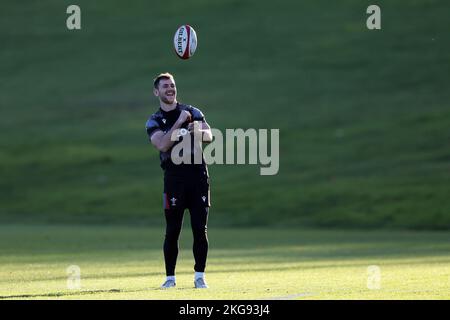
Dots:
pixel 186 185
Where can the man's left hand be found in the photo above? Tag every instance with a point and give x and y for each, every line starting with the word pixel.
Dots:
pixel 195 125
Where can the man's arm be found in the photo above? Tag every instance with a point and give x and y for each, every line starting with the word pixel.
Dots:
pixel 162 141
pixel 204 128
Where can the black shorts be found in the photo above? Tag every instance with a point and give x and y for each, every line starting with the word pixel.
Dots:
pixel 186 189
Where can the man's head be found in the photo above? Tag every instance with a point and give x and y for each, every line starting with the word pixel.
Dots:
pixel 165 88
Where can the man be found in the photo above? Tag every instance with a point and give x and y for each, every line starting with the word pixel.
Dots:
pixel 186 185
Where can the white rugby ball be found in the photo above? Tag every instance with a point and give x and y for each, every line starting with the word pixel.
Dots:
pixel 185 41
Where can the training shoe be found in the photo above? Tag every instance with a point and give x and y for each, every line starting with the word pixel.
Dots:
pixel 168 284
pixel 200 283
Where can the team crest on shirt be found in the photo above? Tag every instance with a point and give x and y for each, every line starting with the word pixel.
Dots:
pixel 164 121
pixel 173 200
pixel 204 198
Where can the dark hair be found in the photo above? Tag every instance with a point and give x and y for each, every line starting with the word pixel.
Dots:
pixel 165 75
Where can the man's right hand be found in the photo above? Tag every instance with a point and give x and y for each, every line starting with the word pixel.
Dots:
pixel 163 141
pixel 184 115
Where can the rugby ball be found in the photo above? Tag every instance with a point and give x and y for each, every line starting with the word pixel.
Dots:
pixel 185 41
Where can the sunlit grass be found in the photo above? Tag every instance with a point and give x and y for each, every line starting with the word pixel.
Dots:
pixel 127 263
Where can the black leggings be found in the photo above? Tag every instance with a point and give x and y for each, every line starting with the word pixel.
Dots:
pixel 189 190
pixel 174 221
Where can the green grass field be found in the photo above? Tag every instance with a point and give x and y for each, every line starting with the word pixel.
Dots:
pixel 127 263
pixel 364 124
pixel 363 115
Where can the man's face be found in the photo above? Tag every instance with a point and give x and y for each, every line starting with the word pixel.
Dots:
pixel 167 91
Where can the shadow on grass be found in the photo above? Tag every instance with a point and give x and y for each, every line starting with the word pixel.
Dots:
pixel 84 292
pixel 74 293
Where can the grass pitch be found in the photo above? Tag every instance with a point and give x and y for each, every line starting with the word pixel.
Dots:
pixel 127 263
